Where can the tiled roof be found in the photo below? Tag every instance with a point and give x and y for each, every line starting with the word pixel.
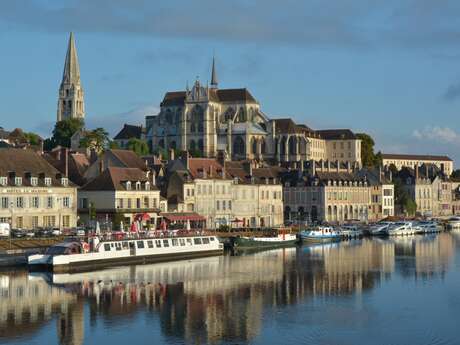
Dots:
pixel 205 168
pixel 22 161
pixel 129 159
pixel 112 179
pixel 415 157
pixel 128 132
pixel 336 134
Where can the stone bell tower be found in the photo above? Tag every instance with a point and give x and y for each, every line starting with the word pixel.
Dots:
pixel 71 102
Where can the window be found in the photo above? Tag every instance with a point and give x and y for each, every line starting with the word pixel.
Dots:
pixel 138 203
pixel 197 240
pixel 107 247
pixel 49 202
pixel 224 205
pixel 128 185
pixel 150 244
pixel 175 242
pixel 118 246
pixel 140 244
pixel 218 205
pixel 64 181
pixel 165 243
pixel 18 181
pixel 47 181
pixel 138 185
pixel 3 181
pixel 229 204
pixel 49 221
pixel 158 243
pixel 146 202
pixel 147 185
pixel 66 221
pixel 211 238
pixel 205 240
pixel 5 202
pixel 182 241
pixel 199 190
pixel 35 202
pixel 189 241
pixel 34 221
pixel 20 202
pixel 129 203
pixel 33 181
pixel 66 201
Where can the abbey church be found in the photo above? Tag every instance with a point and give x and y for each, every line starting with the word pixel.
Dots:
pixel 230 122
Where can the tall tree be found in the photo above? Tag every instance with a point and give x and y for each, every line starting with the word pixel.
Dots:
pixel 139 146
pixel 97 139
pixel 368 157
pixel 63 131
pixel 455 175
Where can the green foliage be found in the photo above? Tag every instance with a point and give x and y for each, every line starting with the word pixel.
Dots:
pixel 63 131
pixel 97 140
pixel 196 153
pixel 114 145
pixel 117 219
pixel 455 175
pixel 32 138
pixel 139 146
pixel 368 157
pixel 92 211
pixel 402 198
pixel 49 144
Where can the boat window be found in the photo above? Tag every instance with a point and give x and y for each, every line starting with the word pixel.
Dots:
pixel 205 240
pixel 140 244
pixel 118 245
pixel 125 245
pixel 56 250
pixel 107 247
pixel 175 242
pixel 165 243
pixel 211 238
pixel 112 245
pixel 182 242
pixel 189 241
pixel 197 240
pixel 158 243
pixel 150 244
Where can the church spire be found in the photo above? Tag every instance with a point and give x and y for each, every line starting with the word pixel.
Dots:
pixel 71 102
pixel 214 74
pixel 71 67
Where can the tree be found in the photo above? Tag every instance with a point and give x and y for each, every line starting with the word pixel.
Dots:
pixel 114 145
pixel 455 175
pixel 97 140
pixel 63 131
pixel 368 157
pixel 118 218
pixel 139 146
pixel 32 138
pixel 92 211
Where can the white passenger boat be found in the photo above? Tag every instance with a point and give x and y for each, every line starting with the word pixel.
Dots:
pixel 427 227
pixel 401 229
pixel 453 223
pixel 350 231
pixel 380 228
pixel 320 234
pixel 77 255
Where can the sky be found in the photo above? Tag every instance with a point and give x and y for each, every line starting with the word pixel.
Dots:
pixel 389 68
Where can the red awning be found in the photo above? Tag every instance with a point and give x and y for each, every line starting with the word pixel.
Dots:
pixel 183 217
pixel 142 216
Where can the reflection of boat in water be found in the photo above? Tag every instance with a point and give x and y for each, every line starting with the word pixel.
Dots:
pixel 76 255
pixel 426 227
pixel 454 223
pixel 257 242
pixel 320 234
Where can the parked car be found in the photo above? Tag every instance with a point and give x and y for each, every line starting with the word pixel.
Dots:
pixel 18 233
pixel 56 232
pixel 4 230
pixel 30 233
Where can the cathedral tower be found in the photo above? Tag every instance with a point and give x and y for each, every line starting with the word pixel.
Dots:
pixel 71 102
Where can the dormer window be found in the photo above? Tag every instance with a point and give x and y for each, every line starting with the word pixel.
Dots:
pixel 138 185
pixel 128 185
pixel 3 180
pixel 64 181
pixel 147 185
pixel 48 181
pixel 18 181
pixel 33 181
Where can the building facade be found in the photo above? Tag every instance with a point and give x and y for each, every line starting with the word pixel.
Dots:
pixel 34 194
pixel 71 103
pixel 444 163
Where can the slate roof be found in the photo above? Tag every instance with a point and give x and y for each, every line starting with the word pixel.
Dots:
pixel 287 126
pixel 128 132
pixel 22 161
pixel 336 134
pixel 415 157
pixel 113 178
pixel 219 95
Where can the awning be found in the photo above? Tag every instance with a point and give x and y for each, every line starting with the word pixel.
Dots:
pixel 174 217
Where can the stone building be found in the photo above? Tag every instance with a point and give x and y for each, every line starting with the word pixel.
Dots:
pixel 212 120
pixel 71 103
pixel 124 191
pixel 33 193
pixel 225 193
pixel 126 133
pixel 444 163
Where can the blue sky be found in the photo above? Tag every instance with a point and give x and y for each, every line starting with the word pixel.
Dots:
pixel 389 68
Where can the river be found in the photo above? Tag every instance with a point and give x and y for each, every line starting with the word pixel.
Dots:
pixel 370 291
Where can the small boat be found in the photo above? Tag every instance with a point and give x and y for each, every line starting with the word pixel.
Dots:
pixel 320 234
pixel 453 223
pixel 350 231
pixel 401 229
pixel 282 239
pixel 427 227
pixel 380 228
pixel 77 255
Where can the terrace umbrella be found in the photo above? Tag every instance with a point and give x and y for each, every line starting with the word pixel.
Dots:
pixel 163 225
pixel 188 225
pixel 121 227
pixel 98 229
pixel 133 227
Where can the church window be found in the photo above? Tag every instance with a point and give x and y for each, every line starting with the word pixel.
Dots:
pixel 67 93
pixel 200 127
pixel 192 128
pixel 254 146
pixel 192 145
pixel 239 146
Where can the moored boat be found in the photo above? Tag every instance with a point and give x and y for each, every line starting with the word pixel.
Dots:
pixel 402 229
pixel 350 231
pixel 380 228
pixel 453 223
pixel 427 227
pixel 320 234
pixel 257 242
pixel 77 255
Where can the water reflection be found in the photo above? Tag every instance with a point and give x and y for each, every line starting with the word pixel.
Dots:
pixel 214 299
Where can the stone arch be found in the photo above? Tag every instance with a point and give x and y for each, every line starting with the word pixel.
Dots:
pixel 263 146
pixel 329 212
pixel 254 145
pixel 292 145
pixel 335 212
pixel 239 146
pixel 283 145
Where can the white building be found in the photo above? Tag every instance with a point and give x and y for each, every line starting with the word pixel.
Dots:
pixel 411 161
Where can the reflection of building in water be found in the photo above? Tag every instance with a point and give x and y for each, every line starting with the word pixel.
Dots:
pixel 70 325
pixel 26 303
pixel 424 256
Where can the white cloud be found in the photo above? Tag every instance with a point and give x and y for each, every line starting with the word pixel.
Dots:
pixel 444 135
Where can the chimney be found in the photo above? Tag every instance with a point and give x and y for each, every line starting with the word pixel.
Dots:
pixel 171 154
